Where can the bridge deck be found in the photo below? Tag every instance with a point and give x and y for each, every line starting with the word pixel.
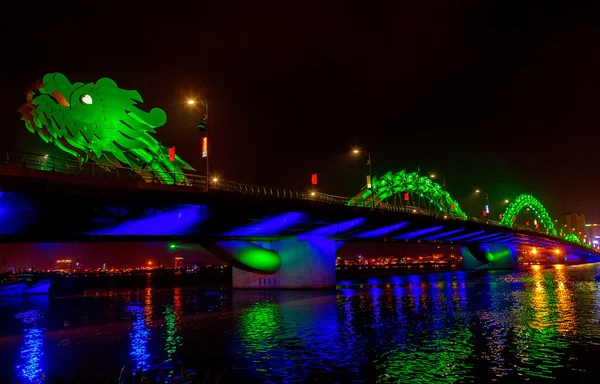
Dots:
pixel 231 204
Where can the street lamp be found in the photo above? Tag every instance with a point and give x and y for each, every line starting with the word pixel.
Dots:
pixel 370 180
pixel 203 127
pixel 487 200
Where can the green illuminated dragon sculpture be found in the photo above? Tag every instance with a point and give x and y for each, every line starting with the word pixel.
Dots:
pixel 100 122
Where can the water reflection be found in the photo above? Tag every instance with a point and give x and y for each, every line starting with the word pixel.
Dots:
pixel 566 306
pixel 435 346
pixel 30 369
pixel 259 325
pixel 172 314
pixel 539 345
pixel 140 333
pixel 281 336
pixel 447 327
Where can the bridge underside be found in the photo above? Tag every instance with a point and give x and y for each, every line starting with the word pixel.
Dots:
pixel 271 242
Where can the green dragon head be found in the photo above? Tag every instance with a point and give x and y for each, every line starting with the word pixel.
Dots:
pixel 99 122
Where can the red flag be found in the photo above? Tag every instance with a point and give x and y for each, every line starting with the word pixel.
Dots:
pixel 406 196
pixel 500 216
pixel 484 213
pixel 313 179
pixel 452 206
pixel 172 153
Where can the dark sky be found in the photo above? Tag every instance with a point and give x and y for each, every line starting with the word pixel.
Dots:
pixel 499 95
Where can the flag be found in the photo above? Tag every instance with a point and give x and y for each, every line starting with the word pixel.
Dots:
pixel 172 154
pixel 313 179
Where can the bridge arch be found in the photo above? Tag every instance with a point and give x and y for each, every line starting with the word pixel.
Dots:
pixel 574 239
pixel 413 184
pixel 525 201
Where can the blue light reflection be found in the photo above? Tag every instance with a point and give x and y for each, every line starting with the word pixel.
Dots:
pixel 139 337
pixel 30 368
pixel 175 221
pixel 336 228
pixel 379 232
pixel 420 232
pixel 269 226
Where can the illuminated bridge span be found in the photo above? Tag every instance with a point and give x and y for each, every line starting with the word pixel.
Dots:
pixel 272 237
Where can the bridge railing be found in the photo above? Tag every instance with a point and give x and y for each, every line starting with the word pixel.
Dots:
pixel 88 169
pixel 109 171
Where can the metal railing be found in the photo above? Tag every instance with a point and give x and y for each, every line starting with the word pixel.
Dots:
pixel 88 169
pixel 109 171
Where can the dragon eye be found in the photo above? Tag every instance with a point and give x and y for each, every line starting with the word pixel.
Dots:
pixel 86 99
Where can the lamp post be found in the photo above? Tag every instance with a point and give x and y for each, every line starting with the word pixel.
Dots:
pixel 203 127
pixel 487 200
pixel 370 181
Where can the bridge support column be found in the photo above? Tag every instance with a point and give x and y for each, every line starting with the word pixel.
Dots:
pixel 306 263
pixel 490 256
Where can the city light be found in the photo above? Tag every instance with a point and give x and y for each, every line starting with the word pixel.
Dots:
pixel 432 176
pixel 477 191
pixel 507 201
pixel 215 179
pixel 191 101
pixel 149 263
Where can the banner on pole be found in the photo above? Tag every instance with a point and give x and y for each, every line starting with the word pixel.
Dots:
pixel 205 147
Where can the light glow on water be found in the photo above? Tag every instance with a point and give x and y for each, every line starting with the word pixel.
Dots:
pixel 139 335
pixel 30 369
pixel 458 326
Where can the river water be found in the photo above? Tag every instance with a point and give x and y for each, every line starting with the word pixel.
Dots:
pixel 541 324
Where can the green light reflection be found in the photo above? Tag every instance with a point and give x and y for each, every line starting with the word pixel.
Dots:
pixel 438 348
pixel 172 339
pixel 259 328
pixel 539 345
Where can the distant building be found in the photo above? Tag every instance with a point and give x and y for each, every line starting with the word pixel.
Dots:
pixel 64 265
pixel 593 234
pixel 575 223
pixel 178 263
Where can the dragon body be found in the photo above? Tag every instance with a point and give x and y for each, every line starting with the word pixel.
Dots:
pixel 100 122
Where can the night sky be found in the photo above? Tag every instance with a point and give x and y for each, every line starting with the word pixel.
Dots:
pixel 500 95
